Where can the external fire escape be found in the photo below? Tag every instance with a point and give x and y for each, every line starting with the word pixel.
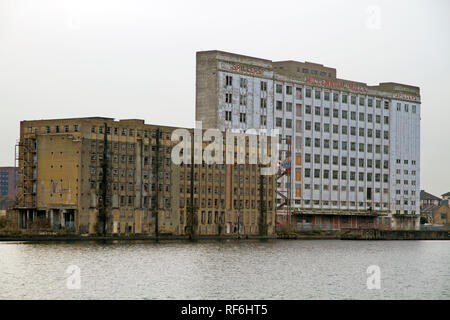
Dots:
pixel 25 162
pixel 284 188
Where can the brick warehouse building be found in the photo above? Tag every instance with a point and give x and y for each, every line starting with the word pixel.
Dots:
pixel 352 150
pixel 62 165
pixel 8 187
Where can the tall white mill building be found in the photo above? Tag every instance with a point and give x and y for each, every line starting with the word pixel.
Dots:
pixel 355 148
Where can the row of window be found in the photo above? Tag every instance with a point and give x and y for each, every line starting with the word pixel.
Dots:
pixel 344 176
pixel 308 94
pixel 345 203
pixel 345 114
pixel 101 129
pixel 405 192
pixel 406 161
pixel 343 188
pixel 406 107
pixel 335 161
pixel 344 129
pixel 345 146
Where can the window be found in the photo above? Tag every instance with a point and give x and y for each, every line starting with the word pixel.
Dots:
pixel 361 101
pixel 317 142
pixel 344 98
pixel 288 106
pixel 289 90
pixel 308 93
pixel 377 134
pixel 316 173
pixel 361 116
pixel 307 125
pixel 317 94
pixel 317 126
pixel 413 108
pixel 242 100
pixel 279 105
pixel 288 123
pixel 378 104
pixel 326 96
pixel 307 109
pixel 279 88
pixel 308 142
pixel 263 120
pixel 263 86
pixel 386 120
pixel 228 98
pixel 335 128
pixel 335 97
pixel 298 93
pixel 242 117
pixel 228 80
pixel 307 172
pixel 243 83
pixel 335 160
pixel 263 103
pixel 317 111
pixel 353 99
pixel 335 144
pixel 344 114
pixel 227 115
pixel 278 122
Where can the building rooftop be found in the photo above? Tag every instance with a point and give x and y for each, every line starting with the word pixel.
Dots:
pixel 428 196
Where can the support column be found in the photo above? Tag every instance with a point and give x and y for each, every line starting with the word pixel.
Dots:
pixel 61 219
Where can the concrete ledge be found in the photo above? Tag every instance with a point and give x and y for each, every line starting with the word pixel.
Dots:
pixel 374 234
pixel 126 238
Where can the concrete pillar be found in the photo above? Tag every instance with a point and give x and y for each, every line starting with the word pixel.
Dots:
pixel 61 219
pixel 51 218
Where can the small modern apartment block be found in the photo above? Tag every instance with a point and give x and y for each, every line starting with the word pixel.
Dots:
pixel 71 171
pixel 354 149
pixel 8 187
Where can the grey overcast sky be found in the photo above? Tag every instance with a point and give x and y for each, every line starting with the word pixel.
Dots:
pixel 136 59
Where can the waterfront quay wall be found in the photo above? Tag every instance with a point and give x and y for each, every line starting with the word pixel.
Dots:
pixel 374 234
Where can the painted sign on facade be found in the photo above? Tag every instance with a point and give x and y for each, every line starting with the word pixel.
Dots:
pixel 408 97
pixel 336 84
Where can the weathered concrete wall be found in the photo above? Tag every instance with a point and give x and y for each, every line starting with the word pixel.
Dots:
pixel 373 234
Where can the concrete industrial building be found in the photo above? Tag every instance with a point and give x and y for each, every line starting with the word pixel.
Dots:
pixel 72 170
pixel 353 149
pixel 8 187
